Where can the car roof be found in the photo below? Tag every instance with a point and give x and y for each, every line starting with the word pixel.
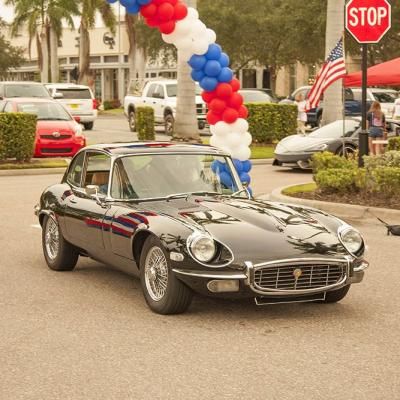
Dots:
pixel 32 100
pixel 133 148
pixel 20 83
pixel 380 90
pixel 65 86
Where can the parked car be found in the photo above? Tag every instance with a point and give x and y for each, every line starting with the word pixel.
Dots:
pixel 162 97
pixel 257 96
pixel 57 133
pixel 12 89
pixel 162 212
pixel 353 102
pixel 78 99
pixel 339 137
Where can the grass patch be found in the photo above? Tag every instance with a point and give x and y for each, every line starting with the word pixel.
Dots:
pixel 305 188
pixel 33 164
pixel 258 152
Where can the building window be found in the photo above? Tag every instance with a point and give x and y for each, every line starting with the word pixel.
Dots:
pixel 97 84
pixel 126 59
pixel 95 59
pixel 74 60
pixel 110 59
pixel 266 79
pixel 249 78
pixel 62 60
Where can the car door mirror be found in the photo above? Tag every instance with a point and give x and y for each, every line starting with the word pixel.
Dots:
pixel 58 96
pixel 92 190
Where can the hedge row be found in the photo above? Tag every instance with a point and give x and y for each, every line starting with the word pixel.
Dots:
pixel 145 123
pixel 271 122
pixel 17 136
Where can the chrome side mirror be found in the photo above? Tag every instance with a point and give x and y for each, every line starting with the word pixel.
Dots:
pixel 92 190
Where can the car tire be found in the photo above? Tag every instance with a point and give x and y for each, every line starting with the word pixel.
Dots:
pixel 163 292
pixel 319 121
pixel 88 126
pixel 132 120
pixel 58 253
pixel 345 151
pixel 169 123
pixel 337 295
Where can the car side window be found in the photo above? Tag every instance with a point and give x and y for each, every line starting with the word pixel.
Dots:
pixel 151 90
pixel 97 172
pixel 158 92
pixel 75 172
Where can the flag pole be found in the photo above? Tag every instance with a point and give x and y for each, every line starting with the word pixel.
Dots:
pixel 344 96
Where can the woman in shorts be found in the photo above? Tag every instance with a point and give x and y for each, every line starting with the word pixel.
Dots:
pixel 376 127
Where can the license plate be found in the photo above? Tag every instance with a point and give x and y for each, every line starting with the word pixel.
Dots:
pixel 74 106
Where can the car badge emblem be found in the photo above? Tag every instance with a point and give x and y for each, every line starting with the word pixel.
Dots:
pixel 297 273
pixel 56 134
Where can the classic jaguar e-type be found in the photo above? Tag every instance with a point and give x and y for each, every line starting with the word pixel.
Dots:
pixel 168 214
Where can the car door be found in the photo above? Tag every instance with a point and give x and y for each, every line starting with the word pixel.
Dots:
pixel 85 216
pixel 159 102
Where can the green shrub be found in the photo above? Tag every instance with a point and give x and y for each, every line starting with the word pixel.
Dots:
pixel 334 180
pixel 328 160
pixel 111 104
pixel 271 122
pixel 388 159
pixel 145 123
pixel 394 143
pixel 17 136
pixel 387 181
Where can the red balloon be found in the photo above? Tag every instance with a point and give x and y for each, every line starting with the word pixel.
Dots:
pixel 235 83
pixel 153 22
pixel 230 115
pixel 167 27
pixel 173 2
pixel 218 106
pixel 148 11
pixel 213 118
pixel 243 112
pixel 180 11
pixel 165 12
pixel 236 100
pixel 224 90
pixel 208 96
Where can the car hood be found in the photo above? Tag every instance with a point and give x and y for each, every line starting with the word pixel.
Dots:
pixel 48 127
pixel 258 230
pixel 298 143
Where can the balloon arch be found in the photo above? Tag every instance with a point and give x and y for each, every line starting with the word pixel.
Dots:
pixel 180 25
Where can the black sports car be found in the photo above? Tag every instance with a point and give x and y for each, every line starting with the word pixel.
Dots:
pixel 178 216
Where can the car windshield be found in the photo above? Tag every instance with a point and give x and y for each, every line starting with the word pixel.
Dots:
pixel 335 129
pixel 73 93
pixel 172 90
pixel 255 96
pixel 164 175
pixel 385 97
pixel 26 90
pixel 45 111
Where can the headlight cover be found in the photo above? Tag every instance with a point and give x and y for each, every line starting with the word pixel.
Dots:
pixel 202 247
pixel 351 240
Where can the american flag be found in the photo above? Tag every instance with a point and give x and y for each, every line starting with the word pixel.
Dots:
pixel 333 69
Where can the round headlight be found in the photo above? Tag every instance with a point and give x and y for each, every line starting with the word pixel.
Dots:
pixel 352 240
pixel 202 247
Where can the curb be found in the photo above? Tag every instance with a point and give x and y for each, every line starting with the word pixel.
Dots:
pixel 32 171
pixel 262 161
pixel 341 210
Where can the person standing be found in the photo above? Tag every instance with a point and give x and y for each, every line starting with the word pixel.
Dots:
pixel 301 114
pixel 376 124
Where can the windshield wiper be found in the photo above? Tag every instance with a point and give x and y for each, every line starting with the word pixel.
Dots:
pixel 187 195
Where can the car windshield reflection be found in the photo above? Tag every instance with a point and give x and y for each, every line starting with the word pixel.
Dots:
pixel 173 176
pixel 335 129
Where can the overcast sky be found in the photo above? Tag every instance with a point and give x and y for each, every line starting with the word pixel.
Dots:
pixel 5 12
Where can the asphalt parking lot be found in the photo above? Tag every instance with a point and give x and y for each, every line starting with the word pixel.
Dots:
pixel 89 334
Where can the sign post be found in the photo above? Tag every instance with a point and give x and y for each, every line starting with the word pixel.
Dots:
pixel 367 21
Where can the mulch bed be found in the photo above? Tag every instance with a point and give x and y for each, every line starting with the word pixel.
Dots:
pixel 353 198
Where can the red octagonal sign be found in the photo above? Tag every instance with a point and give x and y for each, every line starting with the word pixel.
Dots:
pixel 368 20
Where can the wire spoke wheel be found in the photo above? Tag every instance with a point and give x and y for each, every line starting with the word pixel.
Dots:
pixel 52 239
pixel 156 273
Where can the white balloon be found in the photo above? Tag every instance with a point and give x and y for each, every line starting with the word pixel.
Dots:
pixel 241 125
pixel 234 140
pixel 221 128
pixel 247 139
pixel 200 47
pixel 242 153
pixel 184 44
pixel 220 143
pixel 211 36
pixel 183 28
pixel 192 14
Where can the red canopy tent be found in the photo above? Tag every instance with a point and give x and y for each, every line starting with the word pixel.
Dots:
pixel 385 74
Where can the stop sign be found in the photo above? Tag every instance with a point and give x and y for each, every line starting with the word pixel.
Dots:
pixel 368 20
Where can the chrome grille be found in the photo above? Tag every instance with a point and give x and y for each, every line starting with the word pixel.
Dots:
pixel 52 137
pixel 299 276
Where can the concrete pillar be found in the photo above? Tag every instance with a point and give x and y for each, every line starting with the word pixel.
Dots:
pixel 121 84
pixel 103 86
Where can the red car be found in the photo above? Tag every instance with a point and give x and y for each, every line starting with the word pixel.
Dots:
pixel 57 132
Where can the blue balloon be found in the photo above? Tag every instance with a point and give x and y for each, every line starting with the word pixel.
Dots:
pixel 212 68
pixel 133 9
pixel 209 84
pixel 226 75
pixel 217 166
pixel 197 62
pixel 226 179
pixel 144 2
pixel 111 1
pixel 224 60
pixel 198 75
pixel 214 52
pixel 128 3
pixel 247 166
pixel 245 178
pixel 238 166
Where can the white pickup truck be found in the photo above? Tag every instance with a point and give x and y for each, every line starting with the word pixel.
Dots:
pixel 161 96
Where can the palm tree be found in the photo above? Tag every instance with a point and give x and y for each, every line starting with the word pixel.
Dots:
pixel 333 98
pixel 186 119
pixel 43 20
pixel 89 8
